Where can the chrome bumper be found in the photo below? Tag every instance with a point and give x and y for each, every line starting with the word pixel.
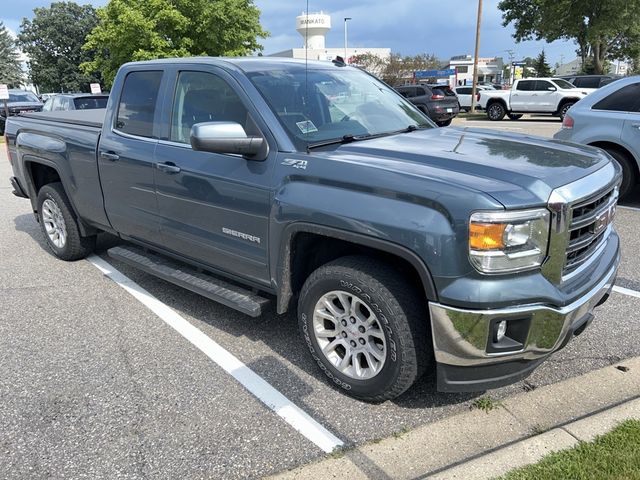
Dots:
pixel 461 337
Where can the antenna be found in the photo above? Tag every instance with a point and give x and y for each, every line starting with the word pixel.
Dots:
pixel 306 73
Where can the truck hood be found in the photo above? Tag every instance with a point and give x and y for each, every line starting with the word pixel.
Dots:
pixel 517 170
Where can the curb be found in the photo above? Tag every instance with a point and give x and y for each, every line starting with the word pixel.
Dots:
pixel 475 444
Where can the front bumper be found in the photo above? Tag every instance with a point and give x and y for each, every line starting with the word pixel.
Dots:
pixel 467 359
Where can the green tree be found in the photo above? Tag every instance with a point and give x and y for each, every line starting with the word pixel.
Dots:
pixel 132 30
pixel 541 66
pixel 398 69
pixel 53 41
pixel 602 29
pixel 10 68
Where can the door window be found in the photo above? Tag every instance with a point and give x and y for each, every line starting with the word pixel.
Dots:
pixel 587 82
pixel 137 105
pixel 526 85
pixel 543 86
pixel 203 97
pixel 626 99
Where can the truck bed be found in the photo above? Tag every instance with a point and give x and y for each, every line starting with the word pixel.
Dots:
pixel 88 118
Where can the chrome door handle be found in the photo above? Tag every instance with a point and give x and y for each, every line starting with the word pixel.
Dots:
pixel 168 167
pixel 110 156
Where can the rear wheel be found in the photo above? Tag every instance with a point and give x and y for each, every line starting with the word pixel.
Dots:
pixel 514 116
pixel 628 171
pixel 59 226
pixel 496 111
pixel 444 123
pixel 365 328
pixel 565 108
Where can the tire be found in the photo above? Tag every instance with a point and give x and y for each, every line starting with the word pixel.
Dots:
pixel 446 123
pixel 59 226
pixel 564 108
pixel 629 179
pixel 398 330
pixel 514 116
pixel 496 111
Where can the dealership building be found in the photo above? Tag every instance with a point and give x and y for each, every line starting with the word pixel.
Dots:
pixel 313 28
pixel 489 70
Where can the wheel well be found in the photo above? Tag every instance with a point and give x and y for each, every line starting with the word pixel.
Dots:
pixel 497 100
pixel 310 251
pixel 41 175
pixel 567 100
pixel 621 149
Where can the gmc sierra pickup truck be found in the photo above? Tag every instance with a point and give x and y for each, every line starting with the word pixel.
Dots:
pixel 404 247
pixel 553 96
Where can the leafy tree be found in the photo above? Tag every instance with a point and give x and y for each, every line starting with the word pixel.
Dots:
pixel 398 68
pixel 53 41
pixel 602 29
pixel 132 30
pixel 541 66
pixel 10 68
pixel 370 62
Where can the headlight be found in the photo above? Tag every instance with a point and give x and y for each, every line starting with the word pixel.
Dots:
pixel 508 241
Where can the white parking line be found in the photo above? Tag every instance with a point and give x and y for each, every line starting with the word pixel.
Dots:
pixel 626 291
pixel 268 395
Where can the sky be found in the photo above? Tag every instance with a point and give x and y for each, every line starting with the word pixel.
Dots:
pixel 409 27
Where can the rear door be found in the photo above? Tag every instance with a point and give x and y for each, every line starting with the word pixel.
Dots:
pixel 125 156
pixel 522 95
pixel 213 208
pixel 630 96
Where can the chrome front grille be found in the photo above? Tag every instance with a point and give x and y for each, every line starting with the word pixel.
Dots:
pixel 589 226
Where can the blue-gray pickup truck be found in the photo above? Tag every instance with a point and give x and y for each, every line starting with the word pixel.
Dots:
pixel 404 247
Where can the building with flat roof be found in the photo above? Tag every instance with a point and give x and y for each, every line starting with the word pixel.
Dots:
pixel 489 69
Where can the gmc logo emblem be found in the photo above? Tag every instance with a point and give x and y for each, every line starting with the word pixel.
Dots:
pixel 604 219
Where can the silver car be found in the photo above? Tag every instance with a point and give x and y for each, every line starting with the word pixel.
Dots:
pixel 610 119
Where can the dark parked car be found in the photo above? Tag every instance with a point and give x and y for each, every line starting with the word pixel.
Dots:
pixel 19 101
pixel 590 81
pixel 467 253
pixel 437 101
pixel 76 101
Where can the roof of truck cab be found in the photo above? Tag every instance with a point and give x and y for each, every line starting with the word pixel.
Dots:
pixel 246 64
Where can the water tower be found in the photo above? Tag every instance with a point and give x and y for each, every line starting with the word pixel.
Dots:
pixel 313 28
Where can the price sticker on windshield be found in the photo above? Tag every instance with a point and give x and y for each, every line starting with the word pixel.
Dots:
pixel 306 126
pixel 95 88
pixel 4 92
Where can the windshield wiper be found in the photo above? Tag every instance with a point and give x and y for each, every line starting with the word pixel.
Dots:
pixel 335 141
pixel 356 138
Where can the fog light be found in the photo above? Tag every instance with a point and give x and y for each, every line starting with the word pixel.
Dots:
pixel 501 330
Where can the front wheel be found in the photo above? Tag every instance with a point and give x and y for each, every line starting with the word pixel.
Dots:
pixel 364 327
pixel 496 111
pixel 59 226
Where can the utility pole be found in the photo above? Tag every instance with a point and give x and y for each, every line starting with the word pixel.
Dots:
pixel 475 59
pixel 346 19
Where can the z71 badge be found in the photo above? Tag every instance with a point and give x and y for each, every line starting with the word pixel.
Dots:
pixel 290 162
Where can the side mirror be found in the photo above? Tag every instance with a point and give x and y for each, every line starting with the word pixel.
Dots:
pixel 227 137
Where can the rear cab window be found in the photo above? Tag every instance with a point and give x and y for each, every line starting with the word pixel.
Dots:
pixel 137 105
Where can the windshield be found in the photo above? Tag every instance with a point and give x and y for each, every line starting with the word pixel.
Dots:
pixel 23 97
pixel 563 83
pixel 327 104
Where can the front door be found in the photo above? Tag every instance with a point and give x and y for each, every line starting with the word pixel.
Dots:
pixel 212 207
pixel 545 97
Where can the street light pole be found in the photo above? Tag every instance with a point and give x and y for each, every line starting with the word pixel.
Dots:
pixel 475 59
pixel 345 38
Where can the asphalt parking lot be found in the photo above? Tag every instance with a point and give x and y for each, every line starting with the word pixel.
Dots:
pixel 95 384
